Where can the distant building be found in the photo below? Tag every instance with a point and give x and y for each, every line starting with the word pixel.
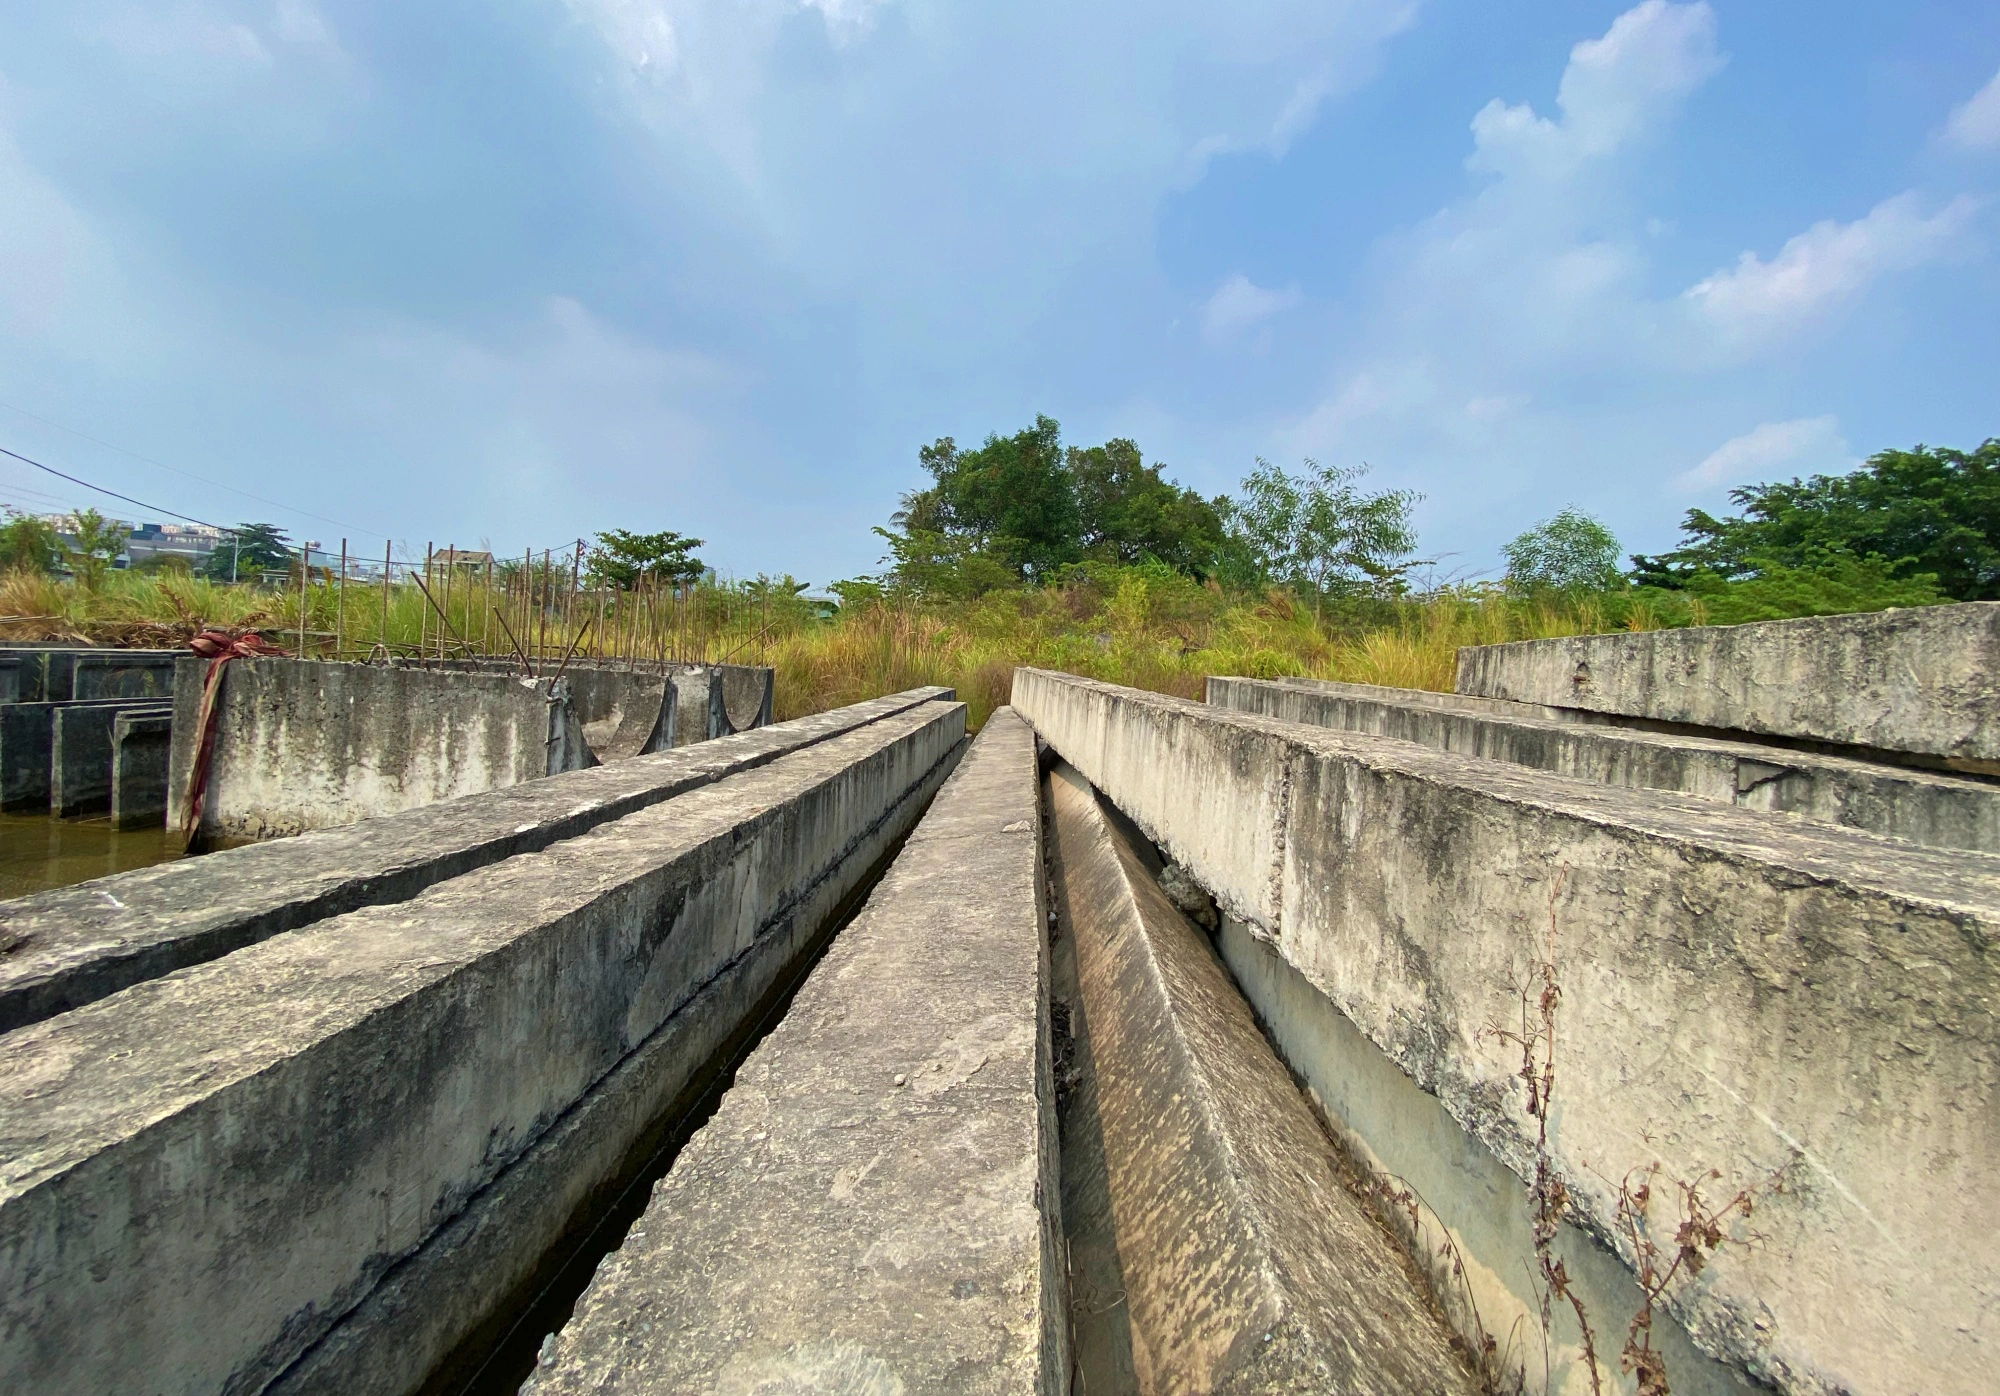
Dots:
pixel 190 542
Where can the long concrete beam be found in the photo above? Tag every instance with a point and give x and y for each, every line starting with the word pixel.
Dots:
pixel 1901 681
pixel 1738 992
pixel 872 1208
pixel 1926 807
pixel 62 949
pixel 206 1178
pixel 1247 1262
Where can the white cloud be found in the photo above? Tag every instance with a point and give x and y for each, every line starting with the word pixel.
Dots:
pixel 1614 90
pixel 1787 447
pixel 1975 125
pixel 1827 264
pixel 1240 304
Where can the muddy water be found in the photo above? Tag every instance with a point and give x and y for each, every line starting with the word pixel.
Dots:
pixel 39 851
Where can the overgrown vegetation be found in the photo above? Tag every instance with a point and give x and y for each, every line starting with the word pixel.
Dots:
pixel 1085 559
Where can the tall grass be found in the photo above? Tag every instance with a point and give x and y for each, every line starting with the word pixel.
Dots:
pixel 1143 627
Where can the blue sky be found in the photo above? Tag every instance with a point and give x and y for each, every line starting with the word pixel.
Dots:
pixel 516 271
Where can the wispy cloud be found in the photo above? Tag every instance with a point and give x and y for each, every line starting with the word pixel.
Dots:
pixel 1826 265
pixel 1239 304
pixel 1975 124
pixel 1803 444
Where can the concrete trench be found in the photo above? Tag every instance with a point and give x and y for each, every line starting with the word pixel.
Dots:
pixel 1137 1046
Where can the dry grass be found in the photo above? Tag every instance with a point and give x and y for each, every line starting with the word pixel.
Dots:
pixel 1138 627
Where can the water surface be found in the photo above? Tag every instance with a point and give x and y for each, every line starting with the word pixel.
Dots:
pixel 40 851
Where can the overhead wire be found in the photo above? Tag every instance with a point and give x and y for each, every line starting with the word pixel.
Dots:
pixel 189 474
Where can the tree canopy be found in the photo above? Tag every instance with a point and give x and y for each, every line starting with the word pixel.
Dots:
pixel 1925 512
pixel 253 548
pixel 1320 533
pixel 1128 511
pixel 28 542
pixel 1571 552
pixel 622 559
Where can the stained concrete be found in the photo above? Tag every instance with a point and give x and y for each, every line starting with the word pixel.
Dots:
pixel 123 674
pixel 747 695
pixel 1741 992
pixel 205 1174
pixel 62 949
pixel 301 744
pixel 1247 1262
pixel 1473 1222
pixel 27 751
pixel 872 1208
pixel 1918 682
pixel 80 752
pixel 1927 807
pixel 140 746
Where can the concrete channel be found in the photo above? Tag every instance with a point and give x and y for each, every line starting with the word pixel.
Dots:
pixel 321 1161
pixel 1317 1038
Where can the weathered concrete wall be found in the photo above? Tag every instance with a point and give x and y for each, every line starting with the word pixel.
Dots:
pixel 864 1213
pixel 1914 681
pixel 747 694
pixel 80 752
pixel 27 749
pixel 123 674
pixel 62 949
pixel 1739 992
pixel 303 745
pixel 1246 1262
pixel 201 1177
pixel 1945 811
pixel 140 746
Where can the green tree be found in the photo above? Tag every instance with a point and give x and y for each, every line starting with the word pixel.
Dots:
pixel 28 542
pixel 1012 500
pixel 98 541
pixel 1930 511
pixel 247 550
pixel 1128 511
pixel 1570 552
pixel 623 559
pixel 1321 534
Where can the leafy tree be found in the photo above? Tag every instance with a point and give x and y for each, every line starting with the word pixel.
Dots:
pixel 1832 584
pixel 28 542
pixel 1319 533
pixel 1570 552
pixel 98 543
pixel 1129 512
pixel 934 566
pixel 249 549
pixel 1012 500
pixel 1928 511
pixel 623 559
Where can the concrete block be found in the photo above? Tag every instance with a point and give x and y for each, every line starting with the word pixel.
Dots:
pixel 123 674
pixel 747 694
pixel 1739 991
pixel 80 752
pixel 622 712
pixel 699 710
pixel 1925 807
pixel 871 1208
pixel 140 744
pixel 201 1178
pixel 301 744
pixel 1247 1262
pixel 10 678
pixel 27 752
pixel 62 949
pixel 1915 682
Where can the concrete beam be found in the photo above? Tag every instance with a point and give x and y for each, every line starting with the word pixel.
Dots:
pixel 123 674
pixel 141 745
pixel 203 1178
pixel 80 746
pixel 872 1207
pixel 1917 682
pixel 1739 992
pixel 1248 1263
pixel 60 950
pixel 1941 810
pixel 302 744
pixel 27 751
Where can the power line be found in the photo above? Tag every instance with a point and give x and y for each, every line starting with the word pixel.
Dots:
pixel 170 513
pixel 85 436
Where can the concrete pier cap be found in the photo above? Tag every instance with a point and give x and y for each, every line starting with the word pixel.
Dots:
pixel 1806 1010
